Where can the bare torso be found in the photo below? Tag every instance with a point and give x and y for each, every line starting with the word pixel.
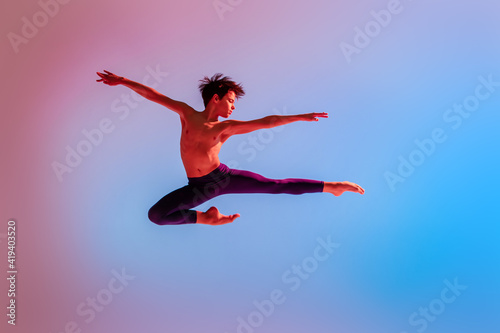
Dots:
pixel 200 144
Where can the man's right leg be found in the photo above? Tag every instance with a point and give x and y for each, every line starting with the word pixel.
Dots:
pixel 175 207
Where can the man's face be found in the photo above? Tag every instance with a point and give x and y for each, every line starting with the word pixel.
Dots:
pixel 226 104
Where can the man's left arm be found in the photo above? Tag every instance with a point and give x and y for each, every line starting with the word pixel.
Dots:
pixel 234 127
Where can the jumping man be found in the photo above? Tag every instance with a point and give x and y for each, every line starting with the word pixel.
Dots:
pixel 201 140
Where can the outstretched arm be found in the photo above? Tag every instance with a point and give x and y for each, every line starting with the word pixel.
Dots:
pixel 233 127
pixel 112 80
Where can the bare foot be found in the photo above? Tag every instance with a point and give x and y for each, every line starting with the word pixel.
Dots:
pixel 213 217
pixel 337 188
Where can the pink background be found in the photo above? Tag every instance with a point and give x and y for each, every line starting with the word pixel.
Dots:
pixel 397 247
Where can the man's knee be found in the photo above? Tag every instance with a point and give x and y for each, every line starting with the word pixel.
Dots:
pixel 154 215
pixel 276 186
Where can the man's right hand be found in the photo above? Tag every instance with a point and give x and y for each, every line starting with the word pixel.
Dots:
pixel 109 78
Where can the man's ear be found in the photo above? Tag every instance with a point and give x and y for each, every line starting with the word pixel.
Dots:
pixel 215 98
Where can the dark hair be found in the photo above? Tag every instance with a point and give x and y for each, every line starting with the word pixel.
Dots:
pixel 218 85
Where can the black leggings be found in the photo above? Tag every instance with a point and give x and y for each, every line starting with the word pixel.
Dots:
pixel 174 208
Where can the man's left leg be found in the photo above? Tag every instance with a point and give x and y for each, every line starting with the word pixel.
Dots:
pixel 242 181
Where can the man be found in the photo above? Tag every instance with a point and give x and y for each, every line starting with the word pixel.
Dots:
pixel 201 140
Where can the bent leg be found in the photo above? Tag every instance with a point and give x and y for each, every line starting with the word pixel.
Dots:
pixel 175 207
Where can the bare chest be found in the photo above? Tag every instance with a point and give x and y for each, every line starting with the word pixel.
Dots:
pixel 200 135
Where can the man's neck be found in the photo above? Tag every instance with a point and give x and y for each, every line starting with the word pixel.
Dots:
pixel 209 114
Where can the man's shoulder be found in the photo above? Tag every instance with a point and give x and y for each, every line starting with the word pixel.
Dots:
pixel 188 110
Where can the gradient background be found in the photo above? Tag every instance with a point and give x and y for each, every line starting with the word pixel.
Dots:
pixel 397 247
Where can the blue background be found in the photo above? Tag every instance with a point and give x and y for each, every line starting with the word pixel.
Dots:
pixel 398 243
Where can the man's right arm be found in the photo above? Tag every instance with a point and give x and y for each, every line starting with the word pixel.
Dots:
pixel 179 107
pixel 147 92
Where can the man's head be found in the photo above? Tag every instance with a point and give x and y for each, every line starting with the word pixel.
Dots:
pixel 221 91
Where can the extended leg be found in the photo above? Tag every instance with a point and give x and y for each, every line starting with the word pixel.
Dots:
pixel 242 181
